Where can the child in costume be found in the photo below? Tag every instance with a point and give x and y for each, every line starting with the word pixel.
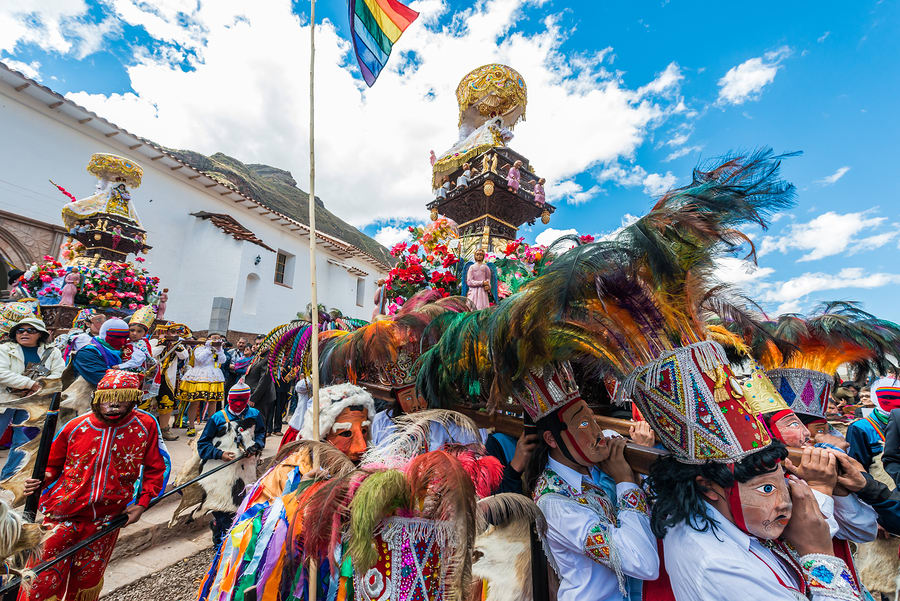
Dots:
pixel 92 473
pixel 137 354
pixel 102 352
pixel 249 426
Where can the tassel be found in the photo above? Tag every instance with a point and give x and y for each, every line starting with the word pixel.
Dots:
pixel 90 594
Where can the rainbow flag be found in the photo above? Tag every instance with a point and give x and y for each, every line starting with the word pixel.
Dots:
pixel 375 26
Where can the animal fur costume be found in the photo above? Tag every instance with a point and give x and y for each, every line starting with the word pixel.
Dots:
pixel 333 400
pixel 224 490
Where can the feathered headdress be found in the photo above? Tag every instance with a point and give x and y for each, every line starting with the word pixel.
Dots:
pixel 617 305
pixel 383 352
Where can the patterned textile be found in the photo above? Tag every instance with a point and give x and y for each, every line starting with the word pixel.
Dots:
pixel 410 563
pixel 193 392
pixel 79 578
pixel 598 545
pixel 542 391
pixel 805 391
pixel 94 467
pixel 760 392
pixel 828 576
pixel 695 406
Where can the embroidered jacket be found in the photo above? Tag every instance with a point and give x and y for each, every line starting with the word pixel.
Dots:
pixel 93 467
pixel 595 541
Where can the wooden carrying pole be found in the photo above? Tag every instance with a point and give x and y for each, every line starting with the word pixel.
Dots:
pixel 314 299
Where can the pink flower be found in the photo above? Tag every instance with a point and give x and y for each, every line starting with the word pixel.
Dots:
pixel 132 306
pixel 46 278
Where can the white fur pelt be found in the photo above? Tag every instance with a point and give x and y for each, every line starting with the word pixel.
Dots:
pixel 223 491
pixel 876 562
pixel 502 552
pixel 20 541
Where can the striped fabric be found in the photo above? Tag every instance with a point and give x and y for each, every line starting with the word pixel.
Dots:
pixel 375 26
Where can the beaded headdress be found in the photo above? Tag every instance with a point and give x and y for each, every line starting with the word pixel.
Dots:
pixel 806 391
pixel 544 390
pixel 144 316
pixel 691 400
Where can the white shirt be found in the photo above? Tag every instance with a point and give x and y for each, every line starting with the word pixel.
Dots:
pixel 568 526
pixel 304 400
pixel 726 565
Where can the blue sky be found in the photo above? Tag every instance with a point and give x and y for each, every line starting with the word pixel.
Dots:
pixel 624 99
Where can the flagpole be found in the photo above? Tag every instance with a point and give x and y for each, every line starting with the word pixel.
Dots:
pixel 314 313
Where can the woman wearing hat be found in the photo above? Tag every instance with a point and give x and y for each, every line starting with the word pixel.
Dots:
pixel 26 358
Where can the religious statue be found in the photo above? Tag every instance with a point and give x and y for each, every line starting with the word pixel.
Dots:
pixel 512 178
pixel 442 191
pixel 70 289
pixel 463 180
pixel 432 158
pixel 117 236
pixel 480 281
pixel 539 191
pixel 486 162
pixel 161 304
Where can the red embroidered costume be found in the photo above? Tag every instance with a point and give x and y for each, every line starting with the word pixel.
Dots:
pixel 92 471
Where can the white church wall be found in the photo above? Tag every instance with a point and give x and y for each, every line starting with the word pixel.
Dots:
pixel 192 257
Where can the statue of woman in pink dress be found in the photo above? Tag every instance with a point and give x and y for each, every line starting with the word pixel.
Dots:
pixel 478 279
pixel 161 304
pixel 512 178
pixel 70 289
pixel 539 191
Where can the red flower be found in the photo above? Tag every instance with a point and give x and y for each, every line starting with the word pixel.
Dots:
pixel 398 249
pixel 414 248
pixel 586 239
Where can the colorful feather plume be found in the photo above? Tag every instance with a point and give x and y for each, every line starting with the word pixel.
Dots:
pixel 836 333
pixel 379 496
pixel 412 433
pixel 616 304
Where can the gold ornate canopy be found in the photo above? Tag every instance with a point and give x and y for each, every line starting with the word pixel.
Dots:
pixel 115 168
pixel 490 91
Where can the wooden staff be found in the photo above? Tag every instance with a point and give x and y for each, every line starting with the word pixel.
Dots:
pixel 314 299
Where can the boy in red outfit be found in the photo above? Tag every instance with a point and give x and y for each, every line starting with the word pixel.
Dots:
pixel 93 467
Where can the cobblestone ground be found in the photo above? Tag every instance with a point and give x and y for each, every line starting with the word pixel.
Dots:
pixel 178 582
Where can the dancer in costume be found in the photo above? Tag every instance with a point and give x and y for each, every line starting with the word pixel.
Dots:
pixel 866 435
pixel 86 325
pixel 92 471
pixel 137 355
pixel 103 352
pixel 235 431
pixel 203 382
pixel 598 524
pixel 168 351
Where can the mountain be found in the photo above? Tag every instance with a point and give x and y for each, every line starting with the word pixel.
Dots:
pixel 277 189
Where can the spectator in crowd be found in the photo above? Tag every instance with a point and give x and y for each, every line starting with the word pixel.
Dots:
pixel 25 359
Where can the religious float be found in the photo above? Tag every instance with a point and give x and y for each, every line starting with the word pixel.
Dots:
pixel 483 192
pixel 103 231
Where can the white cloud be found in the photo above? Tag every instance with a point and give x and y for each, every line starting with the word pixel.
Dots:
pixel 625 177
pixel 823 37
pixel 657 185
pixel 829 234
pixel 834 177
pixel 851 277
pixel 61 26
pixel 739 272
pixel 230 76
pixel 677 154
pixel 549 235
pixel 746 81
pixel 31 69
pixel 389 235
pixel 668 80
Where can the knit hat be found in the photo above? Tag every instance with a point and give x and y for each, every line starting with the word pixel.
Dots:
pixel 333 400
pixel 886 393
pixel 240 391
pixel 113 326
pixel 120 386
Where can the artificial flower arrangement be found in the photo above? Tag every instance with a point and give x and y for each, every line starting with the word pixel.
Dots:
pixel 121 286
pixel 427 262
